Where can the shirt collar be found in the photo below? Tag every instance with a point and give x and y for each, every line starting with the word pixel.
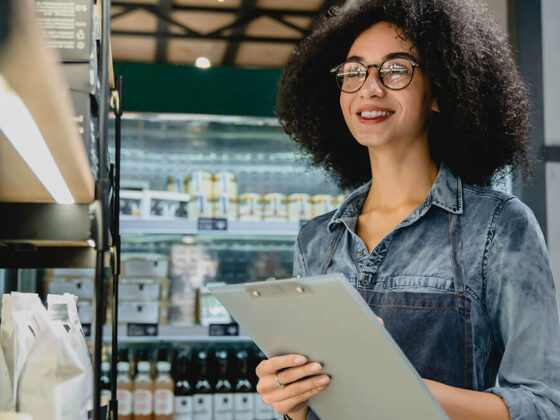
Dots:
pixel 446 193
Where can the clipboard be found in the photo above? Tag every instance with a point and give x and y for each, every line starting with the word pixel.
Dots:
pixel 325 319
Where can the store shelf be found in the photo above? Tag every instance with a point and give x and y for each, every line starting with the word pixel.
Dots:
pixel 136 225
pixel 32 72
pixel 170 333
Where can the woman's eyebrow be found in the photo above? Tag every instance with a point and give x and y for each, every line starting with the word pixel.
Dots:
pixel 389 56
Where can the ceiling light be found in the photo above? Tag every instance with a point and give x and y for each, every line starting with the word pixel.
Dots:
pixel 19 127
pixel 203 63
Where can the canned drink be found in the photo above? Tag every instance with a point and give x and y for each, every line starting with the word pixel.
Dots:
pixel 224 185
pixel 250 207
pixel 300 207
pixel 274 208
pixel 322 203
pixel 225 208
pixel 200 183
pixel 199 206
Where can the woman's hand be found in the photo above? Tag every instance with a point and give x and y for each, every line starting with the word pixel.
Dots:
pixel 291 397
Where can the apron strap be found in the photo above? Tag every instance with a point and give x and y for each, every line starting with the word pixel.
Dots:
pixel 457 254
pixel 330 252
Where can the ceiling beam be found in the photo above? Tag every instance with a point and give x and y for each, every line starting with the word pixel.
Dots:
pixel 243 38
pixel 246 15
pixel 220 9
pixel 164 9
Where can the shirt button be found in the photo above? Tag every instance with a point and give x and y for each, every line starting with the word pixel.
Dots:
pixel 360 252
pixel 365 282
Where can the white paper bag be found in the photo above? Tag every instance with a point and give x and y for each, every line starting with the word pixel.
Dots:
pixel 51 383
pixel 63 311
pixel 17 333
pixel 6 393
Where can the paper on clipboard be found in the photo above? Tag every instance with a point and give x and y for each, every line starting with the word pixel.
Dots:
pixel 326 319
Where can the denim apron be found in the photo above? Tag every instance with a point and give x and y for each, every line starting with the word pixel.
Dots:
pixel 432 329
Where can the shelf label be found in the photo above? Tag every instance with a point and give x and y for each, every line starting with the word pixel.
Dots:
pixel 212 224
pixel 223 329
pixel 141 330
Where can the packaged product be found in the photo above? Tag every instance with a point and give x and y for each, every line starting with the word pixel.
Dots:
pixel 300 207
pixel 225 207
pixel 6 396
pixel 51 384
pixel 63 311
pixel 17 334
pixel 274 208
pixel 199 206
pixel 322 203
pixel 224 185
pixel 250 207
pixel 200 183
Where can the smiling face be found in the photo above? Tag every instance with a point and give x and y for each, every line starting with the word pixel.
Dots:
pixel 376 115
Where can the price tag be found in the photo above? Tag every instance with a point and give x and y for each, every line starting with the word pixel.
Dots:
pixel 141 330
pixel 212 224
pixel 223 329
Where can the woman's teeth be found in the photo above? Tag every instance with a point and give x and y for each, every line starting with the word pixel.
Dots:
pixel 375 114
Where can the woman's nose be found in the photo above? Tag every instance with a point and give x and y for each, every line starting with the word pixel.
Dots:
pixel 372 86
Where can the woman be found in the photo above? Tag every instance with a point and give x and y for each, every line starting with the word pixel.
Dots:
pixel 426 109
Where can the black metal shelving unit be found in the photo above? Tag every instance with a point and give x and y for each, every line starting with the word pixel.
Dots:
pixel 85 235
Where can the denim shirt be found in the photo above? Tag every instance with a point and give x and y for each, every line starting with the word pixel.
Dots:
pixel 508 278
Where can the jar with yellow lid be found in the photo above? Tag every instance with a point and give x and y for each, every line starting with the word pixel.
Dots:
pixel 250 207
pixel 300 207
pixel 322 203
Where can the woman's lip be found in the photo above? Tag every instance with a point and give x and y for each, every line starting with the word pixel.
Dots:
pixel 373 120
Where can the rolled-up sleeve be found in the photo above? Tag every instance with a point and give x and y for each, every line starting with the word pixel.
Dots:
pixel 523 311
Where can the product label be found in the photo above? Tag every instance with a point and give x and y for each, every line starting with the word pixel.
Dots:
pixel 262 411
pixel 125 402
pixel 202 407
pixel 223 406
pixel 163 402
pixel 142 402
pixel 244 406
pixel 183 408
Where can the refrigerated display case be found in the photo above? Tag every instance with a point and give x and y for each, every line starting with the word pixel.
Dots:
pixel 207 199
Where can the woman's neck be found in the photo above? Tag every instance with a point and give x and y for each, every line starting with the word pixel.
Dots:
pixel 400 177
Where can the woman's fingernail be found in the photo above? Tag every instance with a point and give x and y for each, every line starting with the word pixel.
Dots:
pixel 324 380
pixel 316 367
pixel 321 388
pixel 299 360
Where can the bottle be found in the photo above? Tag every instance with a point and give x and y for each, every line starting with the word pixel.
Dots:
pixel 202 398
pixel 124 390
pixel 243 399
pixel 183 389
pixel 105 383
pixel 262 411
pixel 163 397
pixel 223 397
pixel 143 392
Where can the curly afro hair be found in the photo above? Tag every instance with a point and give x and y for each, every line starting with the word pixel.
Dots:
pixel 483 121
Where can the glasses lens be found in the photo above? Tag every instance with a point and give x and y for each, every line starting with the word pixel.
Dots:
pixel 396 74
pixel 350 76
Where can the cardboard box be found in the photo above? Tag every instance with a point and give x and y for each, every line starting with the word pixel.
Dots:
pixel 143 289
pixel 68 26
pixel 145 266
pixel 142 313
pixel 70 272
pixel 83 287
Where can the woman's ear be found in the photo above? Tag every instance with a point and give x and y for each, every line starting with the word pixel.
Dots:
pixel 435 106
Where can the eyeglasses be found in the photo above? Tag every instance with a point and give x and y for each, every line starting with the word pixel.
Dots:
pixel 395 74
